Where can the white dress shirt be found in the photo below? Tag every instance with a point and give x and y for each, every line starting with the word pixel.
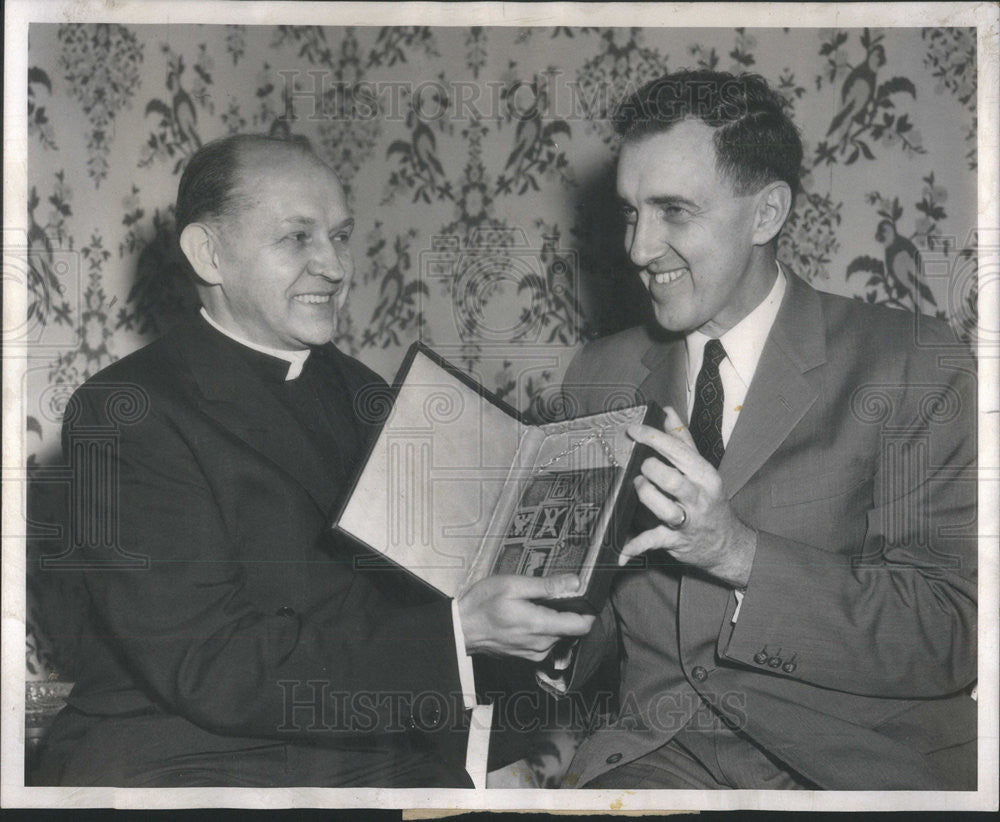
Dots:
pixel 482 715
pixel 743 344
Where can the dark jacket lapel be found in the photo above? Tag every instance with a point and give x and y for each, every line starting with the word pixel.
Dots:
pixel 780 394
pixel 235 397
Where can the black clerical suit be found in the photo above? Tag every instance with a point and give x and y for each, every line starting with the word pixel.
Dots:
pixel 232 640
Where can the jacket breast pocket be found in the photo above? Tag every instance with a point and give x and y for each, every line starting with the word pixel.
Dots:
pixel 825 486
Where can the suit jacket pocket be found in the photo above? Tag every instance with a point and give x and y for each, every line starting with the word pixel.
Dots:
pixel 816 487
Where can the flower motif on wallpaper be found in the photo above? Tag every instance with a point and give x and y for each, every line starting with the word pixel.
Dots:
pixel 39 124
pixel 963 294
pixel 418 167
pixel 865 109
pixel 311 41
pixel 951 54
pixel 622 64
pixel 175 135
pixel 392 44
pixel 45 270
pixel 536 148
pixel 475 50
pixel 345 337
pixel 94 331
pixel 539 396
pixel 789 88
pixel 897 279
pixel 162 291
pixel 267 111
pixel 232 118
pixel 808 242
pixel 741 54
pixel 202 78
pixel 101 64
pixel 236 41
pixel 474 200
pixel 397 309
pixel 352 122
pixel 705 58
pixel 134 212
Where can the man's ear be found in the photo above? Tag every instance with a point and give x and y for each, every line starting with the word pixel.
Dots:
pixel 200 245
pixel 774 201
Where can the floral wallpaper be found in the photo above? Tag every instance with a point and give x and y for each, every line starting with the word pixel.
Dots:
pixel 479 162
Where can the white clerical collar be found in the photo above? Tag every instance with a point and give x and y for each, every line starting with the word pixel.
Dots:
pixel 744 342
pixel 295 359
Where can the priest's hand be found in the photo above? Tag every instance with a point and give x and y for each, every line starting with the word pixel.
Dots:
pixel 500 616
pixel 698 526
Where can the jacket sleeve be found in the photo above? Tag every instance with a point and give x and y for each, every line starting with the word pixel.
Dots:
pixel 894 616
pixel 189 633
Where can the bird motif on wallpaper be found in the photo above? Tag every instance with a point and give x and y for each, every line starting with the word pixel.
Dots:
pixel 425 155
pixel 185 117
pixel 526 135
pixel 858 91
pixel 902 259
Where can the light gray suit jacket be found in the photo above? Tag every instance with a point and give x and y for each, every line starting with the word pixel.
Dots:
pixel 854 457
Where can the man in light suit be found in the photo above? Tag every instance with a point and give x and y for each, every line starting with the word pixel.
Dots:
pixel 233 640
pixel 801 611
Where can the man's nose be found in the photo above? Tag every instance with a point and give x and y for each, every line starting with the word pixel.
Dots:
pixel 647 243
pixel 326 262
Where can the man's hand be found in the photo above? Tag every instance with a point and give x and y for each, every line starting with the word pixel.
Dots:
pixel 699 527
pixel 500 617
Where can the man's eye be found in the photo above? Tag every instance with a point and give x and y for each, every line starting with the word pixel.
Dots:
pixel 629 215
pixel 340 237
pixel 300 237
pixel 672 211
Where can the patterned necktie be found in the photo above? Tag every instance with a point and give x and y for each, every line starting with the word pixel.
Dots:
pixel 706 416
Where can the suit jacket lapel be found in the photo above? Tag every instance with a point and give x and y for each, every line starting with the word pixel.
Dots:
pixel 780 394
pixel 665 384
pixel 235 397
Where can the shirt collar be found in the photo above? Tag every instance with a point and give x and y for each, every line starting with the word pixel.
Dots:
pixel 744 342
pixel 295 359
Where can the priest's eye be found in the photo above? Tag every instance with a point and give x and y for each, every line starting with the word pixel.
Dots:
pixel 629 215
pixel 340 236
pixel 299 237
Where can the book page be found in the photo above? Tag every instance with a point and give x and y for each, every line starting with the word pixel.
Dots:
pixel 427 493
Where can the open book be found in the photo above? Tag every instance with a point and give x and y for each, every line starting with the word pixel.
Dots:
pixel 457 485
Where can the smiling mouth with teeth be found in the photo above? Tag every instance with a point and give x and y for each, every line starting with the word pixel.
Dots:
pixel 666 277
pixel 313 299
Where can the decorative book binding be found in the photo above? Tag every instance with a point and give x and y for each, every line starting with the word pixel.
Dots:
pixel 457 485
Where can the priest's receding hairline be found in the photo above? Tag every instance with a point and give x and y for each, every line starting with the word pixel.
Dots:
pixel 210 187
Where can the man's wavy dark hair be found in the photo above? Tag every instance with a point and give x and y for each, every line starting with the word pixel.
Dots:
pixel 756 142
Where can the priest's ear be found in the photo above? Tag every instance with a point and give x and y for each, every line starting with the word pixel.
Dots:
pixel 774 201
pixel 201 246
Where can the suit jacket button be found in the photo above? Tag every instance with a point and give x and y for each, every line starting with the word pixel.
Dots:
pixel 615 757
pixel 788 667
pixel 760 658
pixel 285 611
pixel 699 673
pixel 774 662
